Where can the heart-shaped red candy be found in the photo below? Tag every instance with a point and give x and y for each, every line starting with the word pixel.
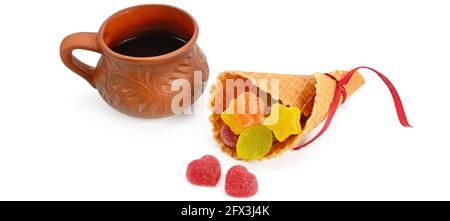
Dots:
pixel 240 183
pixel 204 171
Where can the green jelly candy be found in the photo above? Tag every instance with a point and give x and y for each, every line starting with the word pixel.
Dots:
pixel 254 142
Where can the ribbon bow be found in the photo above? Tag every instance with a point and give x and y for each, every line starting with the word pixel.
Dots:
pixel 341 92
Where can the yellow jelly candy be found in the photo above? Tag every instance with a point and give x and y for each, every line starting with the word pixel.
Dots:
pixel 283 121
pixel 230 120
pixel 254 143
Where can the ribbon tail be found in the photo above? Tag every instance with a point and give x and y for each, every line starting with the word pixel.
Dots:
pixel 395 96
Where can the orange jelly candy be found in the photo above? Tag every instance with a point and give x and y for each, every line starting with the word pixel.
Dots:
pixel 244 111
pixel 248 109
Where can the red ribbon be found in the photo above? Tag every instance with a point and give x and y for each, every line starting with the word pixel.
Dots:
pixel 341 92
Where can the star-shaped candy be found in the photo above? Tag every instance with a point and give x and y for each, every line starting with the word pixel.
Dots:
pixel 283 121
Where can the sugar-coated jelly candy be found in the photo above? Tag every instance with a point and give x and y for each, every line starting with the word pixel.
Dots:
pixel 249 109
pixel 240 183
pixel 204 171
pixel 228 137
pixel 254 143
pixel 244 111
pixel 283 121
pixel 230 120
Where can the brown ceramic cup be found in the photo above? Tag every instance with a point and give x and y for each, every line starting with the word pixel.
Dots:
pixel 140 86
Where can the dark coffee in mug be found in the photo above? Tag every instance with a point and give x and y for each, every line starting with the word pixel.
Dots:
pixel 148 45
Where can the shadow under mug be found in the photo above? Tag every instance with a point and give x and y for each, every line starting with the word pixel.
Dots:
pixel 141 86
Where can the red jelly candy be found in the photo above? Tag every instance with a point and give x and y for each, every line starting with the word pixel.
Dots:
pixel 228 137
pixel 204 171
pixel 240 183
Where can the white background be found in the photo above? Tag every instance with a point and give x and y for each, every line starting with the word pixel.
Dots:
pixel 60 141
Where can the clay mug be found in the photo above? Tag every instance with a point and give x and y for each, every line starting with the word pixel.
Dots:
pixel 141 86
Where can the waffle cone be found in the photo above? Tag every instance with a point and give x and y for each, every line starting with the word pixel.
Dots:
pixel 313 94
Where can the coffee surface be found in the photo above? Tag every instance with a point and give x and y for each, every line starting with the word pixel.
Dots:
pixel 148 45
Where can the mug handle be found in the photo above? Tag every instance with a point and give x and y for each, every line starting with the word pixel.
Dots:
pixel 81 40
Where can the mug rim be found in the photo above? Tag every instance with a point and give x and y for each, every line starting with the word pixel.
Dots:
pixel 172 54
